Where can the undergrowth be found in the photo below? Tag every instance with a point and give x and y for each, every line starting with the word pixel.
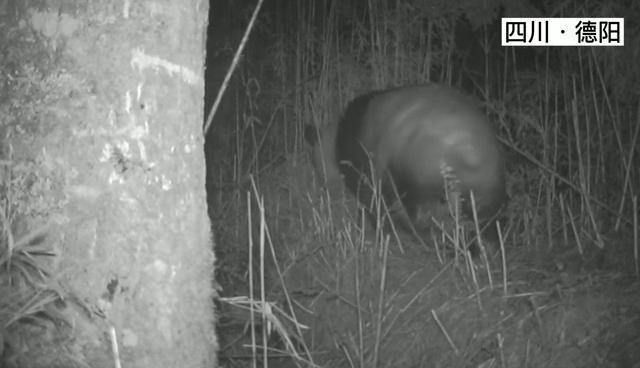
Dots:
pixel 560 288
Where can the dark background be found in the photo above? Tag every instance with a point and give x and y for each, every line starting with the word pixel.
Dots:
pixel 567 120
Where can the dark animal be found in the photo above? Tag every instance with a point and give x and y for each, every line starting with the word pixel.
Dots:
pixel 407 140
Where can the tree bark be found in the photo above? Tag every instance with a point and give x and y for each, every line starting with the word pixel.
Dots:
pixel 119 140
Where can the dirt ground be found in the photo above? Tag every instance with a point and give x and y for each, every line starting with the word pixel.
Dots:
pixel 364 301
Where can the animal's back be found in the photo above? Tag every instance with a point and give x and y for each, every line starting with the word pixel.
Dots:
pixel 412 135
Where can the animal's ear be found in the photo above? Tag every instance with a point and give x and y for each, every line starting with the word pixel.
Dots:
pixel 311 134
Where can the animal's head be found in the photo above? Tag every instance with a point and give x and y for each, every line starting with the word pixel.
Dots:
pixel 321 141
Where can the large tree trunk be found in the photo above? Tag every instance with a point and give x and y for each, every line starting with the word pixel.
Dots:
pixel 113 134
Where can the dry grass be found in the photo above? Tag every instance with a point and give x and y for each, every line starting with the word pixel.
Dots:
pixel 348 295
pixel 307 281
pixel 561 288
